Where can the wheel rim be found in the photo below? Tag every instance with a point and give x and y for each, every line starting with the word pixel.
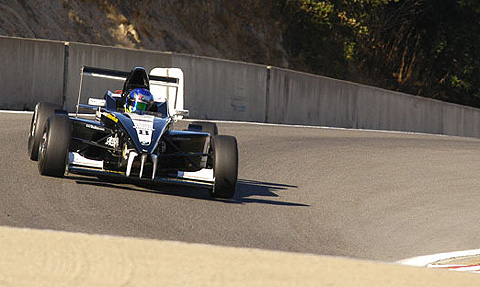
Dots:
pixel 43 145
pixel 34 122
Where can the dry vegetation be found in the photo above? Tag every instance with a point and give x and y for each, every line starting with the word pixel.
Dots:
pixel 240 30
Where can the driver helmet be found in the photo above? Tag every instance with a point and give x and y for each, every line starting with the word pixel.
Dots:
pixel 138 100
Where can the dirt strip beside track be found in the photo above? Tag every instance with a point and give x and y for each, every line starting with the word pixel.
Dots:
pixel 50 258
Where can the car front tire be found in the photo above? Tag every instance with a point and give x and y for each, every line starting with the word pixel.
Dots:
pixel 225 166
pixel 54 145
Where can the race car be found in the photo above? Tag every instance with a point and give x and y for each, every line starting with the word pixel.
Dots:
pixel 130 134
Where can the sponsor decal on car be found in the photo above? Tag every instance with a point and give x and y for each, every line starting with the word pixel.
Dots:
pixel 94 127
pixel 112 117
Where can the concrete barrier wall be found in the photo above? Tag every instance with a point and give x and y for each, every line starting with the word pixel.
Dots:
pixel 396 111
pixel 32 71
pixel 225 90
pixel 37 70
pixel 300 98
pixel 461 121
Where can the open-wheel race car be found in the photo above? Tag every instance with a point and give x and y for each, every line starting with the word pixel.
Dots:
pixel 130 134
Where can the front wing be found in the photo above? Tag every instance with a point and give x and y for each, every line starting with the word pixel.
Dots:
pixel 203 178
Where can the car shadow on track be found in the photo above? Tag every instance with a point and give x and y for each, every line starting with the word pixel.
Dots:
pixel 251 191
pixel 248 191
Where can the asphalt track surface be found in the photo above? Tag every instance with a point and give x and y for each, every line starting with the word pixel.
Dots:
pixel 361 194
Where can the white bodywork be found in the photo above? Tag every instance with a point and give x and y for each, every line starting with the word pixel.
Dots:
pixel 76 159
pixel 173 93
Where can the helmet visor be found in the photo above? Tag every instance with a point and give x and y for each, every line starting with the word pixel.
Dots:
pixel 140 106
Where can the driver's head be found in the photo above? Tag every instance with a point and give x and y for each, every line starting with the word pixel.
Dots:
pixel 138 100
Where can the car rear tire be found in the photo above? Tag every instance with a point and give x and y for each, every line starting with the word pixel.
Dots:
pixel 54 145
pixel 208 127
pixel 225 166
pixel 40 116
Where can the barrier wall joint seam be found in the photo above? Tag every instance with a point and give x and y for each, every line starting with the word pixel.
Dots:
pixel 267 94
pixel 65 72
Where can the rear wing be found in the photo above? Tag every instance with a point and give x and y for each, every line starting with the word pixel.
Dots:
pixel 166 84
pixel 121 75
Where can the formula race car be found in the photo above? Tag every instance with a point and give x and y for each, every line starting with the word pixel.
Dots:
pixel 129 134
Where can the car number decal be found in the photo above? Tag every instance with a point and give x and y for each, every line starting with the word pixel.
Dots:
pixel 144 127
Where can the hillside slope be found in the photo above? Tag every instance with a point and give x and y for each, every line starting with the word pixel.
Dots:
pixel 237 30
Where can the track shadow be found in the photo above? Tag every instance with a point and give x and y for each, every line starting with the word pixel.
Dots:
pixel 248 191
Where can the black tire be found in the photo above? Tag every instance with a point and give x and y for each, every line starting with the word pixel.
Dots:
pixel 54 145
pixel 225 167
pixel 40 116
pixel 208 127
